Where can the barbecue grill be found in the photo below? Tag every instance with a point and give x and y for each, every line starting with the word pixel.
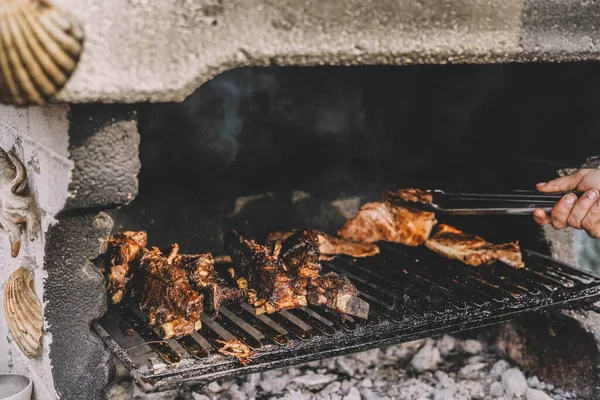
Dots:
pixel 412 293
pixel 209 102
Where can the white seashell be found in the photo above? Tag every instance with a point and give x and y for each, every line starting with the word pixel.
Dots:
pixel 39 50
pixel 23 312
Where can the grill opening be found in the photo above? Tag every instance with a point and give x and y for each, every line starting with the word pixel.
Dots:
pixel 265 149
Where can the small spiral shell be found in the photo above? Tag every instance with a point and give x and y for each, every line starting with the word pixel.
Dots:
pixel 23 312
pixel 39 50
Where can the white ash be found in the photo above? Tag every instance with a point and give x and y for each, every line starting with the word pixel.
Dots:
pixel 395 372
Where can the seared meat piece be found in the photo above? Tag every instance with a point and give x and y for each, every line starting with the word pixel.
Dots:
pixel 385 221
pixel 330 246
pixel 410 195
pixel 338 293
pixel 473 250
pixel 203 277
pixel 300 254
pixel 172 306
pixel 264 274
pixel 122 258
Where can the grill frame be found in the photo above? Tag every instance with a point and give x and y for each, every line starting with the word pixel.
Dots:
pixel 424 309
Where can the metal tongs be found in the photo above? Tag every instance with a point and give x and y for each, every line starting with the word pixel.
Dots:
pixel 518 202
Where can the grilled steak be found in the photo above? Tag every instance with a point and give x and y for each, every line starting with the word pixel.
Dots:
pixel 338 293
pixel 330 246
pixel 172 306
pixel 388 222
pixel 473 250
pixel 203 277
pixel 122 258
pixel 265 275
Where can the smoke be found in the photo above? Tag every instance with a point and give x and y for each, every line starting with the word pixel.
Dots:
pixel 237 152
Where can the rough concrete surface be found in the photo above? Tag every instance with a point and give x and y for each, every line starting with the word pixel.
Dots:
pixel 162 50
pixel 104 145
pixel 39 137
pixel 77 295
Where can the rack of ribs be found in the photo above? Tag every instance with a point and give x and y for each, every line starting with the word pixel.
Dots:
pixel 271 287
pixel 121 259
pixel 471 249
pixel 165 295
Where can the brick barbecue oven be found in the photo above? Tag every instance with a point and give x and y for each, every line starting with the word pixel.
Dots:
pixel 190 118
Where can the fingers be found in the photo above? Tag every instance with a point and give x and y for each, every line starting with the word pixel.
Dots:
pixel 591 221
pixel 581 208
pixel 540 217
pixel 562 184
pixel 561 211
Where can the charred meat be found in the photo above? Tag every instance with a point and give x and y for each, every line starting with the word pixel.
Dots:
pixel 206 280
pixel 300 254
pixel 473 250
pixel 172 306
pixel 388 222
pixel 236 349
pixel 401 196
pixel 121 259
pixel 330 246
pixel 337 293
pixel 265 275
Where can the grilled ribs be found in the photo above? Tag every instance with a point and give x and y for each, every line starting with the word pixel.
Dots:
pixel 122 258
pixel 473 250
pixel 330 246
pixel 337 293
pixel 203 277
pixel 270 284
pixel 172 306
pixel 389 222
pixel 300 253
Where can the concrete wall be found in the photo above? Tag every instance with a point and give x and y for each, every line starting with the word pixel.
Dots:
pixel 161 50
pixel 39 136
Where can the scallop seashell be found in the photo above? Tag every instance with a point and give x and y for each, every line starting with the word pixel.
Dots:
pixel 23 312
pixel 39 50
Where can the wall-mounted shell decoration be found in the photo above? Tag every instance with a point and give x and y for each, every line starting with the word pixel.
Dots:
pixel 18 208
pixel 23 312
pixel 39 50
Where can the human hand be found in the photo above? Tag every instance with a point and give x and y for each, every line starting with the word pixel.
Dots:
pixel 579 213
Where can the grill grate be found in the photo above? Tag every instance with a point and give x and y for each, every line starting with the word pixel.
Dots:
pixel 413 293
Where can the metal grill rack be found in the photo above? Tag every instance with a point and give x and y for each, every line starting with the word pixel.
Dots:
pixel 413 293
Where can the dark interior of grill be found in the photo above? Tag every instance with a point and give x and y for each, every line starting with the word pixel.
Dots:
pixel 265 149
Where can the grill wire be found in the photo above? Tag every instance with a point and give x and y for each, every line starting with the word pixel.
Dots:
pixel 413 293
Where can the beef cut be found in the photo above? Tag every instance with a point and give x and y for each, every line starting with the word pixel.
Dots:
pixel 270 285
pixel 473 250
pixel 121 259
pixel 330 246
pixel 206 280
pixel 166 296
pixel 384 221
pixel 299 252
pixel 337 293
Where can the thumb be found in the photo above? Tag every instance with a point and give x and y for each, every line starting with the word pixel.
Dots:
pixel 563 184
